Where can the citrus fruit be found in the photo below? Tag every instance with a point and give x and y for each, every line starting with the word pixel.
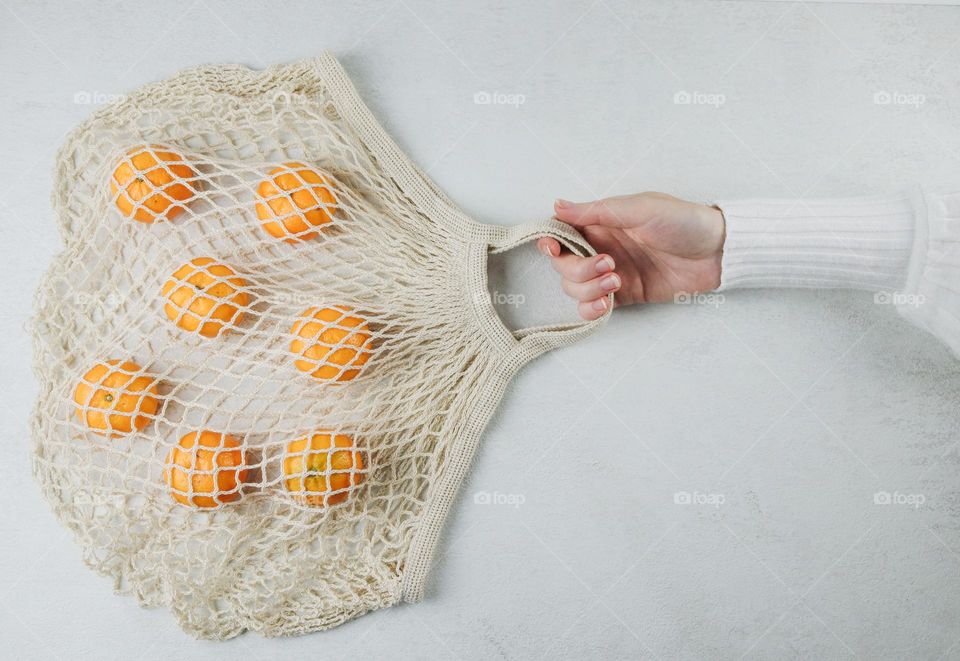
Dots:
pixel 152 183
pixel 205 296
pixel 115 397
pixel 331 343
pixel 293 201
pixel 205 469
pixel 321 469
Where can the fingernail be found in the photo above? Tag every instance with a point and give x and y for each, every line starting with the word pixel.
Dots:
pixel 542 247
pixel 600 304
pixel 562 204
pixel 605 264
pixel 610 283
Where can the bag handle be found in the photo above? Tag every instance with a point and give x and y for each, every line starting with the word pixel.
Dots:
pixel 506 237
pixel 538 339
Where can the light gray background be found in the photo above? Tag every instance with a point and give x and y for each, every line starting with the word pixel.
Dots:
pixel 794 408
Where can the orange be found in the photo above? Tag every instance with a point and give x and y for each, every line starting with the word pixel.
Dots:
pixel 151 182
pixel 330 343
pixel 205 469
pixel 294 200
pixel 206 296
pixel 116 398
pixel 317 473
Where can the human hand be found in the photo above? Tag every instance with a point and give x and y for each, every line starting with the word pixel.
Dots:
pixel 650 246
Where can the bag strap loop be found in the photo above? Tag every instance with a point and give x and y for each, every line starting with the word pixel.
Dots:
pixel 539 339
pixel 506 237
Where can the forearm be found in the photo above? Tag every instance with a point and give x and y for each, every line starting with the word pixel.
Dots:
pixel 855 243
pixel 907 243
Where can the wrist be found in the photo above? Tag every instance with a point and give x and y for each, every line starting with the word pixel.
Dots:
pixel 715 226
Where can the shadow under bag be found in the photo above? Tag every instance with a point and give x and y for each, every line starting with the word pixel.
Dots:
pixel 267 352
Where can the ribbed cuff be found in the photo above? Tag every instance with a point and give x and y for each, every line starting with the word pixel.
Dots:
pixel 853 243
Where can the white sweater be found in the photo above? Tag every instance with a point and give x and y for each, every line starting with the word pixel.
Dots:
pixel 904 248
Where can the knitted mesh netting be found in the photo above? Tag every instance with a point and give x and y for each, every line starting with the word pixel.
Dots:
pixel 267 352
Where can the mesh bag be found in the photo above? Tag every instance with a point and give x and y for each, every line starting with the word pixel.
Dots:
pixel 267 352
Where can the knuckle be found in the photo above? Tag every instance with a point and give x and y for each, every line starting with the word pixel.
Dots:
pixel 596 211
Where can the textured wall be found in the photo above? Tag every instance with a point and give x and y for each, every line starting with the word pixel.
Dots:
pixel 779 415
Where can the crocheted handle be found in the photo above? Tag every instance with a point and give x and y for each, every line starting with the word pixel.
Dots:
pixel 543 338
pixel 511 237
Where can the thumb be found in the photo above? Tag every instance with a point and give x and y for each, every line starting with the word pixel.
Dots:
pixel 610 211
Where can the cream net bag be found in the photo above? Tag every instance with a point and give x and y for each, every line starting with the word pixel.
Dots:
pixel 267 352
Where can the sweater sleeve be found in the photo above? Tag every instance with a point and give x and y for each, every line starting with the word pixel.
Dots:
pixel 855 243
pixel 904 248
